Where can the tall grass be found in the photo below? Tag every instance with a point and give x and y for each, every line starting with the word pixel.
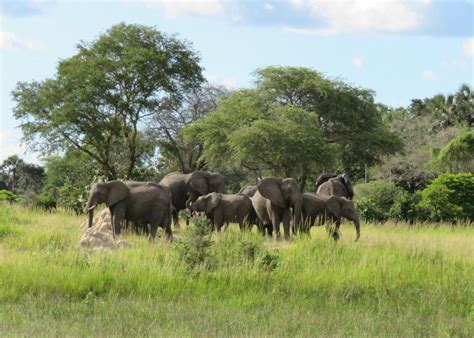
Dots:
pixel 398 281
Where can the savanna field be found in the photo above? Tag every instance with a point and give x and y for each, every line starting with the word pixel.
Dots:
pixel 398 280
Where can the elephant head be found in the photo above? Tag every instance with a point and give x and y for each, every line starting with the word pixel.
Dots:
pixel 206 203
pixel 201 183
pixel 343 207
pixel 105 192
pixel 342 180
pixel 284 193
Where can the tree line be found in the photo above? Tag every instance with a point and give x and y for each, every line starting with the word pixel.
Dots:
pixel 134 104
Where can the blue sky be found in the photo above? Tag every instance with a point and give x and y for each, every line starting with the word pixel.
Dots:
pixel 401 49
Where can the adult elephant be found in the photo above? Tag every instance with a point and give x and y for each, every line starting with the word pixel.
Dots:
pixel 141 203
pixel 328 207
pixel 273 201
pixel 186 188
pixel 334 185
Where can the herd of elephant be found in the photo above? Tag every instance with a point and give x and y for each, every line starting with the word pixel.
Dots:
pixel 271 202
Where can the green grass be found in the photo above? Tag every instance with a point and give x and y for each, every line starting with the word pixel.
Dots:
pixel 397 281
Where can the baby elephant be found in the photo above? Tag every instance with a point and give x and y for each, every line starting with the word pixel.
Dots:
pixel 222 208
pixel 328 208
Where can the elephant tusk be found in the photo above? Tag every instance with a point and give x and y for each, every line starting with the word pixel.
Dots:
pixel 91 208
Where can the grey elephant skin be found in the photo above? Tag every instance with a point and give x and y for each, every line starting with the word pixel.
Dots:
pixel 250 190
pixel 138 202
pixel 319 209
pixel 186 188
pixel 334 185
pixel 274 200
pixel 222 208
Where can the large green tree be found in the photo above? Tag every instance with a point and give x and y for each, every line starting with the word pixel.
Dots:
pixel 295 122
pixel 20 176
pixel 101 98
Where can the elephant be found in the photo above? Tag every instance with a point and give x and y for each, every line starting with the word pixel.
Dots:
pixel 186 188
pixel 324 207
pixel 138 202
pixel 337 185
pixel 272 202
pixel 221 208
pixel 249 191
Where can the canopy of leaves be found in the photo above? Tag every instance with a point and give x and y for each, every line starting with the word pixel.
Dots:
pixel 295 122
pixel 101 97
pixel 22 177
pixel 457 155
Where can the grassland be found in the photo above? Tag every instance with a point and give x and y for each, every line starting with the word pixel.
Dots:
pixel 399 280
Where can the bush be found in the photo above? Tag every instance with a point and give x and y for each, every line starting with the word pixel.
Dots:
pixel 45 202
pixel 8 196
pixel 374 200
pixel 449 197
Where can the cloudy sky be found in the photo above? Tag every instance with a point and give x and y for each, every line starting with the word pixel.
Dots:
pixel 401 49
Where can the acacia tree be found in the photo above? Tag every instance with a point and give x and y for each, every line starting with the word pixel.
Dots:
pixel 295 122
pixel 101 98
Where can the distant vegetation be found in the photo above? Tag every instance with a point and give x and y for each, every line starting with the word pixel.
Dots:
pixel 133 104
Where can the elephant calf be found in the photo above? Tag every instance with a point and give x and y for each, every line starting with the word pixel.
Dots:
pixel 324 207
pixel 222 208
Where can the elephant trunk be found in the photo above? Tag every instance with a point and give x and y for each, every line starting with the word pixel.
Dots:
pixel 357 226
pixel 91 216
pixel 90 209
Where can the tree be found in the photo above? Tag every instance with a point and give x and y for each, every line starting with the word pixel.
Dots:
pixel 457 155
pixel 22 177
pixel 295 122
pixel 100 98
pixel 175 152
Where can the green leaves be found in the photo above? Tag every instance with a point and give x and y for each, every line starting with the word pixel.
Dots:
pixel 101 98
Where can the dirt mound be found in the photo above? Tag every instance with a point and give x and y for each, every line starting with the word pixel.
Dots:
pixel 99 236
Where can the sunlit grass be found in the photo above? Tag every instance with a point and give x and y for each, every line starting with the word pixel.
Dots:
pixel 398 280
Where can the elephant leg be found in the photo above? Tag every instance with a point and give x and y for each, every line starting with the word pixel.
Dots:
pixel 153 229
pixel 175 219
pixel 335 233
pixel 117 215
pixel 276 224
pixel 286 224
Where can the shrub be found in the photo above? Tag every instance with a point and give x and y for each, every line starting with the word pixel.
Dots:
pixel 406 208
pixel 374 200
pixel 449 197
pixel 8 196
pixel 45 202
pixel 194 251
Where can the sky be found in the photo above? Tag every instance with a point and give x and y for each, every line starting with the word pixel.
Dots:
pixel 401 49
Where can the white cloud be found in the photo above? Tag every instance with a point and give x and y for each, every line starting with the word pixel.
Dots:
pixel 193 7
pixel 229 83
pixel 364 16
pixel 468 47
pixel 11 41
pixel 268 6
pixel 428 74
pixel 358 61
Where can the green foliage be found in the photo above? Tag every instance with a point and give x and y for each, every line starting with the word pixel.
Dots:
pixel 8 196
pixel 102 97
pixel 457 155
pixel 296 122
pixel 46 202
pixel 375 199
pixel 68 181
pixel 449 197
pixel 24 178
pixel 406 208
pixel 194 251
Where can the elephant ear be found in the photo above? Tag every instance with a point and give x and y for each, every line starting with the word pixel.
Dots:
pixel 117 191
pixel 333 204
pixel 215 182
pixel 270 188
pixel 348 184
pixel 198 182
pixel 323 178
pixel 212 201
